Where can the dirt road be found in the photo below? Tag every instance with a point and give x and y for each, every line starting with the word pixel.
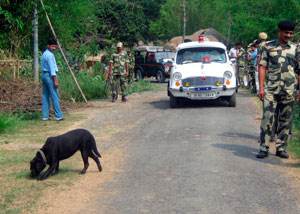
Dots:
pixel 195 159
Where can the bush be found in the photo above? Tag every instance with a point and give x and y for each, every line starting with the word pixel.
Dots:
pixel 8 122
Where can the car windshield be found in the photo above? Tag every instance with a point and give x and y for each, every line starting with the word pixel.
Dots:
pixel 200 54
pixel 164 55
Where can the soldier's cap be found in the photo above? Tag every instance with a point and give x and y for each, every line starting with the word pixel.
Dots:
pixel 263 36
pixel 119 45
pixel 286 25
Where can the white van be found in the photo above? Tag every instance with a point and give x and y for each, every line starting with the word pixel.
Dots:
pixel 202 71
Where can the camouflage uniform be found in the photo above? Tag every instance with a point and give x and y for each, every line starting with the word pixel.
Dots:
pixel 242 66
pixel 251 76
pixel 119 61
pixel 280 84
pixel 131 68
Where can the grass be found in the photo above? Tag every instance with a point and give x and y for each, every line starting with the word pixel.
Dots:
pixel 8 122
pixel 294 144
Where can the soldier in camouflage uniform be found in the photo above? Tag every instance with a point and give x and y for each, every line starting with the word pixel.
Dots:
pixel 251 74
pixel 241 61
pixel 119 68
pixel 262 36
pixel 131 67
pixel 280 58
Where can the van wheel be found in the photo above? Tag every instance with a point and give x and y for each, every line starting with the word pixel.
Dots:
pixel 138 75
pixel 160 76
pixel 232 100
pixel 174 102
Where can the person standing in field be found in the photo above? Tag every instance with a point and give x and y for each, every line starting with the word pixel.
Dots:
pixel 119 69
pixel 280 58
pixel 50 82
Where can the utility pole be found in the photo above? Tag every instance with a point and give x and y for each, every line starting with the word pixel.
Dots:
pixel 35 45
pixel 229 27
pixel 184 20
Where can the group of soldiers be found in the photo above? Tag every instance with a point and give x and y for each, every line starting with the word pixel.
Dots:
pixel 274 75
pixel 247 62
pixel 121 72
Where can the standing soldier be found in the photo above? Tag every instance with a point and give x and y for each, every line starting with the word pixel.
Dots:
pixel 131 67
pixel 252 69
pixel 241 61
pixel 280 57
pixel 262 36
pixel 119 69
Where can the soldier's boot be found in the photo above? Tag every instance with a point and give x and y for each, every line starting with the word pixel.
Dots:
pixel 282 154
pixel 124 99
pixel 262 154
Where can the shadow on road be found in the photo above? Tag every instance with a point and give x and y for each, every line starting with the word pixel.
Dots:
pixel 250 153
pixel 164 104
pixel 239 135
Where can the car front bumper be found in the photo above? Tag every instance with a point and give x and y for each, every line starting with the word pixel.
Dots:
pixel 193 93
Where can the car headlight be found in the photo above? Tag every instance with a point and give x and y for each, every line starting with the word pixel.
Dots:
pixel 177 76
pixel 227 75
pixel 167 69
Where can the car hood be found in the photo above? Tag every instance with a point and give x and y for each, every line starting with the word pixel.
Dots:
pixel 200 69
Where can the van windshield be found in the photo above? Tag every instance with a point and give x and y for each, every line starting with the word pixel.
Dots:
pixel 164 55
pixel 208 54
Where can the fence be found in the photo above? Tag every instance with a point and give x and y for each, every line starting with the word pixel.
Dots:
pixel 12 65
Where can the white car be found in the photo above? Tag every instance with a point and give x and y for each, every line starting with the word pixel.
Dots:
pixel 202 71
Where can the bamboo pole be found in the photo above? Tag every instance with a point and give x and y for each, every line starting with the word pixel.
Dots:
pixel 59 46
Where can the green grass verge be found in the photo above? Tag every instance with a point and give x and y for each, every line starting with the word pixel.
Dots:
pixel 294 144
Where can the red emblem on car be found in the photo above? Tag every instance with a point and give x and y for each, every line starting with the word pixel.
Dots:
pixel 203 79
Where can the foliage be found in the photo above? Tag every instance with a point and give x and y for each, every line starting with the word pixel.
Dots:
pixel 85 27
pixel 16 27
pixel 246 18
pixel 8 122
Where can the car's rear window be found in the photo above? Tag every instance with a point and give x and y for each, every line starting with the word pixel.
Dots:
pixel 164 55
pixel 209 54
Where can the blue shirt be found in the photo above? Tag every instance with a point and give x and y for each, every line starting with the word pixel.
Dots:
pixel 48 62
pixel 254 56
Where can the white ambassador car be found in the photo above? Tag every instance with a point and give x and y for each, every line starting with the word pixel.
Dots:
pixel 202 71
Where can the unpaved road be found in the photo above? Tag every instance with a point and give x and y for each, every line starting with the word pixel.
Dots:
pixel 195 159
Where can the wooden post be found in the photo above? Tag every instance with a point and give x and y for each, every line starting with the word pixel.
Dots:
pixel 18 69
pixel 184 20
pixel 229 27
pixel 35 46
pixel 59 46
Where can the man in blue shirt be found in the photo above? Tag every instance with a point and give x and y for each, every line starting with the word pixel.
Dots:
pixel 50 83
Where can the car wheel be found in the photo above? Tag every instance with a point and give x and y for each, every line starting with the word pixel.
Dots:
pixel 174 102
pixel 138 75
pixel 232 100
pixel 160 76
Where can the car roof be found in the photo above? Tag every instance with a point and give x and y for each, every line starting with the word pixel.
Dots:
pixel 150 48
pixel 201 44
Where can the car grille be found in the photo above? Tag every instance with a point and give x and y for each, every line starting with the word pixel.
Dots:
pixel 199 81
